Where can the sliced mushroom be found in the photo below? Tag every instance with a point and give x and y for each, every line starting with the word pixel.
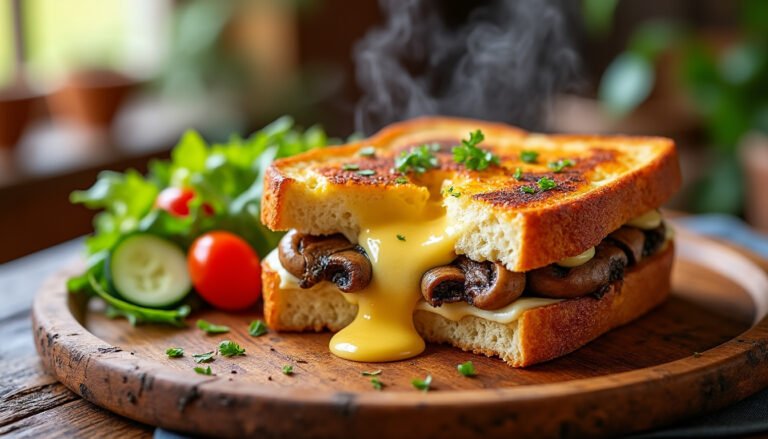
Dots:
pixel 631 240
pixel 486 285
pixel 654 238
pixel 563 283
pixel 316 250
pixel 490 285
pixel 289 252
pixel 317 258
pixel 350 270
pixel 443 284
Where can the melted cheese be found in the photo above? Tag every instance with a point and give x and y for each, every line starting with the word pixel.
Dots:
pixel 508 314
pixel 404 239
pixel 647 221
pixel 287 280
pixel 575 261
pixel 383 329
pixel 451 311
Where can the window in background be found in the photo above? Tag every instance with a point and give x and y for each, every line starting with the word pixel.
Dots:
pixel 125 35
pixel 6 44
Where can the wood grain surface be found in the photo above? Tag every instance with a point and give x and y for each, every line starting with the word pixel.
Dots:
pixel 684 358
pixel 33 404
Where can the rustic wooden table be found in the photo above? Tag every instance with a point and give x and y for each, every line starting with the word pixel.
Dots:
pixel 32 403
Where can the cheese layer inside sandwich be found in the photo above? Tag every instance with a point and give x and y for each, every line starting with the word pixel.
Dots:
pixel 404 260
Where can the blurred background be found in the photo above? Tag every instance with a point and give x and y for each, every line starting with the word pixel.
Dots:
pixel 87 85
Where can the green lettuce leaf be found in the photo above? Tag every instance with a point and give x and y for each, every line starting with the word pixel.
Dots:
pixel 226 177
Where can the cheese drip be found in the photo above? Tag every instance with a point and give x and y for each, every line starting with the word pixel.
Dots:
pixel 400 249
pixel 451 311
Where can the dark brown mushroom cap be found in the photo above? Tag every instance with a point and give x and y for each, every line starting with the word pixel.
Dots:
pixel 350 270
pixel 313 259
pixel 631 240
pixel 564 283
pixel 486 285
pixel 444 284
pixel 289 253
pixel 490 285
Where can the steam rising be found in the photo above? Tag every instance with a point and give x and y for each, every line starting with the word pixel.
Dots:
pixel 502 60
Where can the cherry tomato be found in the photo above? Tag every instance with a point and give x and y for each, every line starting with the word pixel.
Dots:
pixel 176 200
pixel 225 270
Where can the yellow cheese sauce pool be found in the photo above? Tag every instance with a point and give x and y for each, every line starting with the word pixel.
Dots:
pixel 400 252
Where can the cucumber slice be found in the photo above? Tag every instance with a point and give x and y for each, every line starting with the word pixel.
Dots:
pixel 150 271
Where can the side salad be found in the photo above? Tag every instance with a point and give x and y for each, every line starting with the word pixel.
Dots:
pixel 190 225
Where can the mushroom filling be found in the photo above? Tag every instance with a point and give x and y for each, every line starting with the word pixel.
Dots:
pixel 565 283
pixel 486 285
pixel 489 285
pixel 332 258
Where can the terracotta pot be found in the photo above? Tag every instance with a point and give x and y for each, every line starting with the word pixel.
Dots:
pixel 15 113
pixel 754 156
pixel 91 98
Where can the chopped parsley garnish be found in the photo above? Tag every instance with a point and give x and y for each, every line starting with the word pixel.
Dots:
pixel 418 159
pixel 174 352
pixel 473 157
pixel 518 173
pixel 422 385
pixel 401 180
pixel 203 371
pixel 257 328
pixel 367 151
pixel 366 172
pixel 372 373
pixel 467 369
pixel 546 183
pixel 454 193
pixel 229 348
pixel 400 237
pixel 211 328
pixel 203 358
pixel 287 369
pixel 558 166
pixel 696 354
pixel 350 167
pixel 376 383
pixel 529 156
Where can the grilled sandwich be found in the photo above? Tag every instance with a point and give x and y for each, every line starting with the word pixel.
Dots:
pixel 480 235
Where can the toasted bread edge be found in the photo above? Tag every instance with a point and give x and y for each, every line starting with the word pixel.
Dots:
pixel 541 334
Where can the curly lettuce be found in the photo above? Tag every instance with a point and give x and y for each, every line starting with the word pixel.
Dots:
pixel 227 177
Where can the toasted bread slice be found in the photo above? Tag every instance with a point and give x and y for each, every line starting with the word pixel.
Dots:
pixel 612 180
pixel 538 335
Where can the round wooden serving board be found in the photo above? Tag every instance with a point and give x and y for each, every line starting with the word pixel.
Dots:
pixel 707 347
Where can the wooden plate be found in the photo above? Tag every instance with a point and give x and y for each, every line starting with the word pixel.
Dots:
pixel 707 347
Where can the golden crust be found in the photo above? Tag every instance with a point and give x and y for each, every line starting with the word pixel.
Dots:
pixel 277 303
pixel 555 224
pixel 270 281
pixel 555 330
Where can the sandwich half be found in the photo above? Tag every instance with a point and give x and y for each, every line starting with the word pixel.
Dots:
pixel 480 235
